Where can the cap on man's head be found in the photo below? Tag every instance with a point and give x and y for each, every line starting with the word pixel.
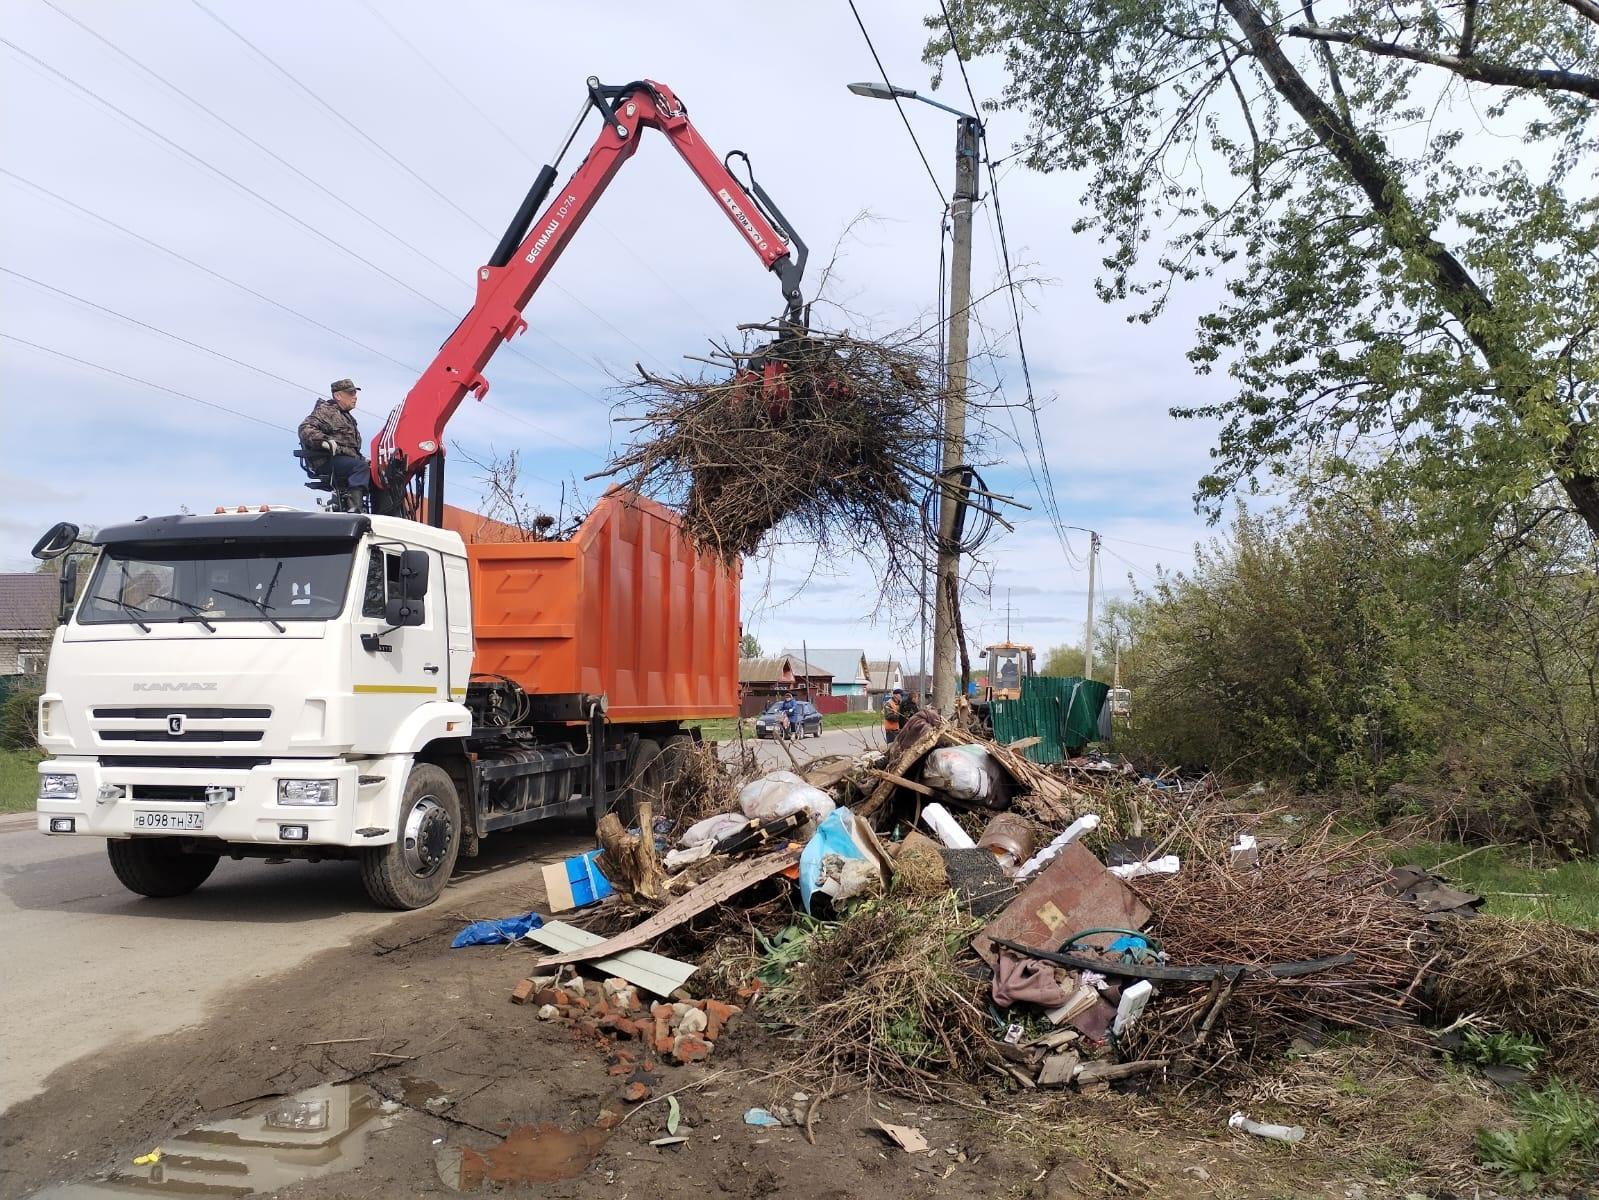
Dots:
pixel 899 691
pixel 344 385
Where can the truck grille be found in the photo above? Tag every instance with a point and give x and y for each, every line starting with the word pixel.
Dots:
pixel 177 724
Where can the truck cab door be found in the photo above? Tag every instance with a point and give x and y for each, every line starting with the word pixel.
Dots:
pixel 458 602
pixel 395 670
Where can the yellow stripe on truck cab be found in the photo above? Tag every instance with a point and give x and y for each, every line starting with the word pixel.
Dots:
pixel 393 689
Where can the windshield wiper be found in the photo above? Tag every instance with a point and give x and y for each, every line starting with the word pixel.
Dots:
pixel 199 613
pixel 130 609
pixel 260 606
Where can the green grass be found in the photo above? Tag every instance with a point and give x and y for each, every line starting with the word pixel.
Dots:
pixel 1518 882
pixel 1559 1133
pixel 19 780
pixel 727 731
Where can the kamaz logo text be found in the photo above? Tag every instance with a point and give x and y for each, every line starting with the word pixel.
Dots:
pixel 175 687
pixel 738 215
pixel 549 230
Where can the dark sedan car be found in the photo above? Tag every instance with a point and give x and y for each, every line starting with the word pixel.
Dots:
pixel 770 723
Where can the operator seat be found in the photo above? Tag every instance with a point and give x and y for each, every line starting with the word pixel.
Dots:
pixel 343 499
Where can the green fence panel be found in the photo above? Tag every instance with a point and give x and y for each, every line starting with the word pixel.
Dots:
pixel 1063 712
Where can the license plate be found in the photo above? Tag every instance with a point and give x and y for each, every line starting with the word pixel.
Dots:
pixel 144 819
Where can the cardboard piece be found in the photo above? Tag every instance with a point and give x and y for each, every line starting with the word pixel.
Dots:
pixel 1071 894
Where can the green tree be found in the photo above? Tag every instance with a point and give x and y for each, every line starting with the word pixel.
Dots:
pixel 749 646
pixel 1063 661
pixel 1398 198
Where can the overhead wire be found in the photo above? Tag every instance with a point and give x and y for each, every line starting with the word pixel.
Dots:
pixel 160 387
pixel 166 333
pixel 278 304
pixel 307 226
pixel 419 177
pixel 883 71
pixel 1042 479
pixel 488 119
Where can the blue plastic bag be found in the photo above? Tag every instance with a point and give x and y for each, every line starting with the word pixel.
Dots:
pixel 839 836
pixel 493 933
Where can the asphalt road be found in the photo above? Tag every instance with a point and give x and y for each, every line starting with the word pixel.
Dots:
pixel 774 754
pixel 89 965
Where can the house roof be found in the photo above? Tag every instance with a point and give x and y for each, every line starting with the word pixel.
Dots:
pixel 845 666
pixel 879 672
pixel 771 670
pixel 28 601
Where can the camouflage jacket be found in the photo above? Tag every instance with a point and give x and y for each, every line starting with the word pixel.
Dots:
pixel 328 422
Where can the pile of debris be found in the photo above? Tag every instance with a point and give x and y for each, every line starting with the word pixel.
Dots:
pixel 952 912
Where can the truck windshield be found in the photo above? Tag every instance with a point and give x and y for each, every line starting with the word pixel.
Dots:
pixel 207 582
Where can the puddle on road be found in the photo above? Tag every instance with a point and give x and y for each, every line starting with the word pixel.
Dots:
pixel 529 1154
pixel 320 1131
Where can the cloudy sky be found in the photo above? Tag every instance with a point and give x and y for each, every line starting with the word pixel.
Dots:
pixel 209 209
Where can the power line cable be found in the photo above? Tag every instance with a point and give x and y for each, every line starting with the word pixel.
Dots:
pixel 960 59
pixel 217 171
pixel 414 174
pixel 199 266
pixel 278 304
pixel 488 119
pixel 147 383
pixel 166 333
pixel 190 155
pixel 883 71
pixel 322 189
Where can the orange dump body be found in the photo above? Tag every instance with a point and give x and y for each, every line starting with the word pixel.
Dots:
pixel 627 608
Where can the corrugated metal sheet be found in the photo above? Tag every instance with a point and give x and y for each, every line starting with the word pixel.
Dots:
pixel 1061 711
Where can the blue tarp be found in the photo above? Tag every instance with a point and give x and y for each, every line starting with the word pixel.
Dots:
pixel 494 933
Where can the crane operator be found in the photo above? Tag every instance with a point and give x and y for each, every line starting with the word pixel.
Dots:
pixel 332 441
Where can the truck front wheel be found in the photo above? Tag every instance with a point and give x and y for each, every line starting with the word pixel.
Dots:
pixel 412 870
pixel 158 867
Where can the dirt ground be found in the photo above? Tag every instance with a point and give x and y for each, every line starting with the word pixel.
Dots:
pixel 465 1067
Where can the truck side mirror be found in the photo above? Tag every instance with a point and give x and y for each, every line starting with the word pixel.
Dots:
pixel 399 612
pixel 414 566
pixel 57 541
pixel 69 588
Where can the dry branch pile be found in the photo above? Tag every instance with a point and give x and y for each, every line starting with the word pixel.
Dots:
pixel 1318 899
pixel 1534 977
pixel 838 461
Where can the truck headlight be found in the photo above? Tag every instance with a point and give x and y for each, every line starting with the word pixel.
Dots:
pixel 308 791
pixel 58 787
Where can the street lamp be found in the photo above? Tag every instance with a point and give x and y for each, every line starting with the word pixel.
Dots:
pixel 968 133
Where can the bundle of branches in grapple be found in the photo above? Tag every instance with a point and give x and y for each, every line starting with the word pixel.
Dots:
pixel 826 434
pixel 1319 901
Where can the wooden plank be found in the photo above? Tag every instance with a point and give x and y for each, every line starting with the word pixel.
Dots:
pixel 920 789
pixel 713 891
pixel 653 972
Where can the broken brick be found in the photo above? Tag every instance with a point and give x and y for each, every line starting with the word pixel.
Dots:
pixel 690 1048
pixel 664 1043
pixel 522 992
pixel 717 1014
pixel 635 1091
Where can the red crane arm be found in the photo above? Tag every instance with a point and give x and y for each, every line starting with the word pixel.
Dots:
pixel 413 434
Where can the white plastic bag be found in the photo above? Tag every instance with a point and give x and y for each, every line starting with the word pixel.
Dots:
pixel 960 772
pixel 780 793
pixel 713 829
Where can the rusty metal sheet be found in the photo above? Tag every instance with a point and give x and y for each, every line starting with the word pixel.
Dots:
pixel 1071 894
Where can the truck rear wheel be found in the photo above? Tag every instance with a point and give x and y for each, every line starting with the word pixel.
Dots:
pixel 643 781
pixel 157 867
pixel 412 870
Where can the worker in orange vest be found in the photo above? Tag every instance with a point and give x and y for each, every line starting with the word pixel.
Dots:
pixel 892 718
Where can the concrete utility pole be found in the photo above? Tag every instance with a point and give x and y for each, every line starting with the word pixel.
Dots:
pixel 1088 626
pixel 968 132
